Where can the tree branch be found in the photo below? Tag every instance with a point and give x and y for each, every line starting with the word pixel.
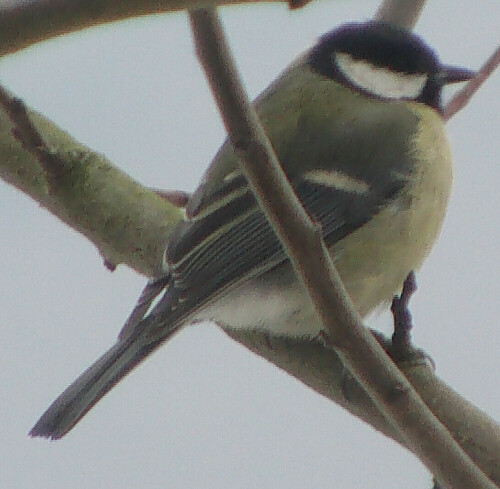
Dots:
pixel 463 96
pixel 358 350
pixel 322 370
pixel 127 222
pixel 403 13
pixel 27 23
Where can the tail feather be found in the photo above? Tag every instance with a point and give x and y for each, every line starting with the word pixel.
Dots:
pixel 96 381
pixel 149 294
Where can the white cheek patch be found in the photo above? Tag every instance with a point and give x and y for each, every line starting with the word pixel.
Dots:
pixel 378 81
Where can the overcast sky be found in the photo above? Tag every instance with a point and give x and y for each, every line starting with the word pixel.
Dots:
pixel 203 412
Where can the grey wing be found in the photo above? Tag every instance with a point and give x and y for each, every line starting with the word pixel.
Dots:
pixel 223 245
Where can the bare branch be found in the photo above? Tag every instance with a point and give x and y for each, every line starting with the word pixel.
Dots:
pixel 462 97
pixel 127 222
pixel 402 13
pixel 27 23
pixel 357 348
pixel 322 370
pixel 25 132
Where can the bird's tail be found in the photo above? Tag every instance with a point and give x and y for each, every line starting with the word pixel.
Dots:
pixel 93 384
pixel 137 340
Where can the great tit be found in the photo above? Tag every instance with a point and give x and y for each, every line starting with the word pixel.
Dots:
pixel 357 125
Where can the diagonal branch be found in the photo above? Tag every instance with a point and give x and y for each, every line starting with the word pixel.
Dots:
pixel 359 351
pixel 127 222
pixel 403 13
pixel 462 97
pixel 30 139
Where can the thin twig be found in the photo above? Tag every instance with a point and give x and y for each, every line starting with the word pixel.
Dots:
pixel 463 96
pixel 402 13
pixel 360 352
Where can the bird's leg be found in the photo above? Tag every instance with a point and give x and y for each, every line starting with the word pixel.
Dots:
pixel 401 338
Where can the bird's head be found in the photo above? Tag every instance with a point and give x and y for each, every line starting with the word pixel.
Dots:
pixel 384 62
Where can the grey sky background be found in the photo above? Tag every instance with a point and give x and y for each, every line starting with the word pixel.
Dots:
pixel 203 412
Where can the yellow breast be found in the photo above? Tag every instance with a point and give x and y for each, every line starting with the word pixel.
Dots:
pixel 375 260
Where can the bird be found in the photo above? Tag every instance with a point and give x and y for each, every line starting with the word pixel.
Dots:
pixel 357 124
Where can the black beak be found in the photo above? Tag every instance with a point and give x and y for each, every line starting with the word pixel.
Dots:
pixel 454 74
